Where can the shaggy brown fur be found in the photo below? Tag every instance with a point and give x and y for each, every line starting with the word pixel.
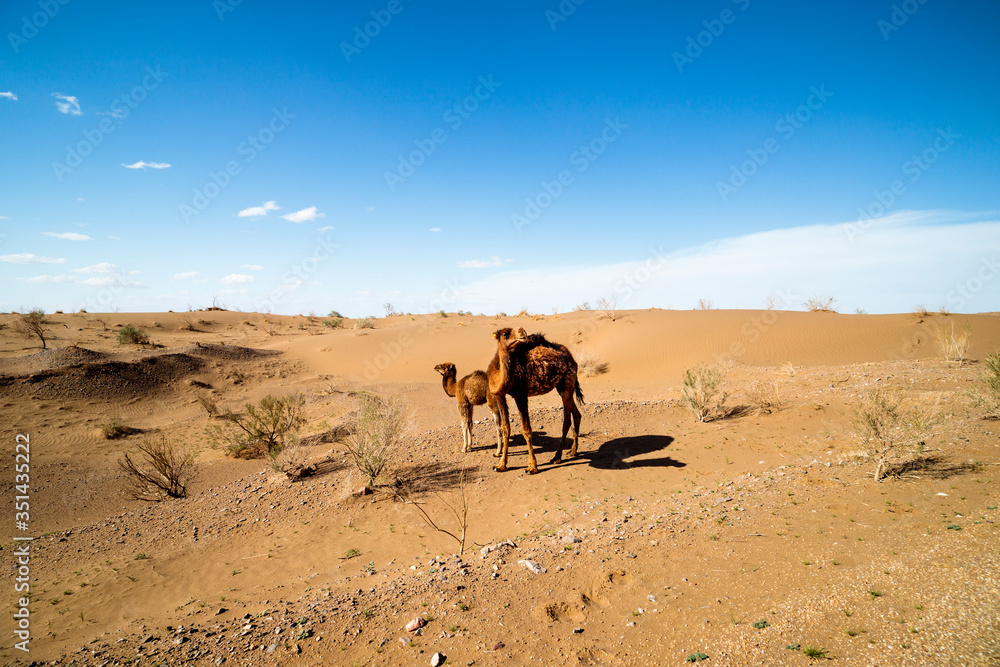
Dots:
pixel 471 390
pixel 531 366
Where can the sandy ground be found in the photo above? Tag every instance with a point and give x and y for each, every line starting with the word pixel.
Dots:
pixel 749 540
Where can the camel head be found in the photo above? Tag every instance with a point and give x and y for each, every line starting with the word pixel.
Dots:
pixel 446 369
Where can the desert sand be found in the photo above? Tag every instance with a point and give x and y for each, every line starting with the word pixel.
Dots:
pixel 754 539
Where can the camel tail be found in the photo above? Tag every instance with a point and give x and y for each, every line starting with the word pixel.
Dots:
pixel 579 394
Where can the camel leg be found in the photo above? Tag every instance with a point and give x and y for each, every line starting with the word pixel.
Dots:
pixel 576 428
pixel 465 412
pixel 504 434
pixel 494 408
pixel 522 407
pixel 567 398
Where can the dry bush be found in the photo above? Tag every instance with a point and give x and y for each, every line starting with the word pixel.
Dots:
pixel 788 369
pixel 589 364
pixel 365 323
pixel 608 308
pixel 335 323
pixel 164 471
pixel 208 402
pixel 702 392
pixel 31 324
pixel 115 428
pixel 129 334
pixel 187 324
pixel 457 506
pixel 376 434
pixel 954 345
pixel 921 311
pixel 263 429
pixel 763 398
pixel 820 304
pixel 704 304
pixel 890 434
pixel 771 302
pixel 986 397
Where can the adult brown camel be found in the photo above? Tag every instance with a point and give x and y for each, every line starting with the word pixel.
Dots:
pixel 471 390
pixel 531 366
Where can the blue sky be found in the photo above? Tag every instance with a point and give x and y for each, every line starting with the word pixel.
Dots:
pixel 274 157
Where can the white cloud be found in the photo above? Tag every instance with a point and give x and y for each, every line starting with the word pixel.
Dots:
pixel 63 278
pixel 30 258
pixel 103 267
pixel 305 215
pixel 325 229
pixel 68 236
pixel 237 279
pixel 67 104
pixel 887 268
pixel 107 281
pixel 146 165
pixel 3 217
pixel 478 264
pixel 114 238
pixel 252 267
pixel 9 95
pixel 120 113
pixel 434 229
pixel 257 211
pixel 185 275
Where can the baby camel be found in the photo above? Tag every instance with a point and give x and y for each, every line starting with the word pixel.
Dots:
pixel 471 390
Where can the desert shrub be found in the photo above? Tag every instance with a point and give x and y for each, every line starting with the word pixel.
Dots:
pixel 164 471
pixel 890 434
pixel 262 429
pixel 129 334
pixel 335 323
pixel 187 324
pixel 379 427
pixel 921 311
pixel 704 304
pixel 702 392
pixel 820 304
pixel 115 428
pixel 987 395
pixel 210 405
pixel 762 397
pixel 31 324
pixel 590 364
pixel 365 323
pixel 334 313
pixel 954 345
pixel 390 310
pixel 608 307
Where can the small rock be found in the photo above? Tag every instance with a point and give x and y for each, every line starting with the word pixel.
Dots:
pixel 415 624
pixel 571 539
pixel 221 610
pixel 532 565
pixel 438 659
pixel 577 631
pixel 271 648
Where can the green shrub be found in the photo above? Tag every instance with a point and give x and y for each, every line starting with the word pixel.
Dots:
pixel 129 334
pixel 365 323
pixel 987 396
pixel 262 429
pixel 702 392
pixel 380 424
pixel 334 323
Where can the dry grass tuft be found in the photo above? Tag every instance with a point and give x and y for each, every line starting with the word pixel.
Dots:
pixel 379 427
pixel 763 398
pixel 702 392
pixel 590 364
pixel 820 304
pixel 954 345
pixel 986 397
pixel 890 435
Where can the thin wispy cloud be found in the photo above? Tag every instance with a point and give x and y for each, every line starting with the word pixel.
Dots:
pixel 185 275
pixel 108 281
pixel 30 258
pixel 105 268
pixel 67 104
pixel 325 229
pixel 237 279
pixel 68 236
pixel 434 229
pixel 305 215
pixel 9 95
pixel 146 165
pixel 258 211
pixel 479 264
pixel 62 278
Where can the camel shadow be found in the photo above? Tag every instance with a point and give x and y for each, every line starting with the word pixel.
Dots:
pixel 614 454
